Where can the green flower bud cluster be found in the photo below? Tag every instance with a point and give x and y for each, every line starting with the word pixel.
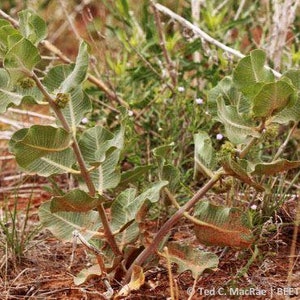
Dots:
pixel 26 83
pixel 227 150
pixel 271 132
pixel 62 99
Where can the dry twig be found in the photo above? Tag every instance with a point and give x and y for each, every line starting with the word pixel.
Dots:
pixel 170 66
pixel 283 17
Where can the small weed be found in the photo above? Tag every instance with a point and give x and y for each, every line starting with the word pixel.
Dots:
pixel 16 232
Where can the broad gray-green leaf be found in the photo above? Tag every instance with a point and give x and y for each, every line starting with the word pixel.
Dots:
pixel 6 29
pixel 101 149
pixel 6 96
pixel 123 209
pixel 171 174
pixel 294 76
pixel 30 94
pixel 152 194
pixel 190 258
pixel 167 170
pixel 116 142
pixel 76 201
pixel 22 56
pixel 49 164
pixel 15 96
pixel 237 128
pixel 163 153
pixel 80 103
pixel 126 206
pixel 128 234
pixel 272 98
pixel 62 224
pixel 56 75
pixel 105 176
pixel 226 226
pixel 16 137
pixel 38 141
pixel 77 108
pixel 32 26
pixel 290 113
pixel 204 156
pixel 252 90
pixel 95 141
pixel 78 74
pixel 3 23
pixel 13 39
pixel 134 175
pixel 251 70
pixel 53 163
pixel 277 166
pixel 238 169
pixel 4 79
pixel 226 89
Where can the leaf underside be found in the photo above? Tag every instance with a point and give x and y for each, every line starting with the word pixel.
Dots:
pixel 228 228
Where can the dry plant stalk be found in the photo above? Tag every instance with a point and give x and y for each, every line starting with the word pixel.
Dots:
pixel 170 66
pixel 93 249
pixel 283 17
pixel 171 279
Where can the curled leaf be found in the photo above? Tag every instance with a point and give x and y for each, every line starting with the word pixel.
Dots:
pixel 227 226
pixel 237 128
pixel 136 281
pixel 276 166
pixel 272 98
pixel 204 155
pixel 87 274
pixel 191 258
pixel 63 224
pixel 75 200
pixel 32 26
pixel 237 169
pixel 23 55
pixel 251 70
pixel 36 142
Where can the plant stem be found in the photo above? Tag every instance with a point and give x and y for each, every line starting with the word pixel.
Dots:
pixel 171 280
pixel 84 171
pixel 181 212
pixel 108 233
pixel 283 145
pixel 245 151
pixel 96 251
pixel 49 46
pixel 186 214
pixel 9 18
pixel 168 225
